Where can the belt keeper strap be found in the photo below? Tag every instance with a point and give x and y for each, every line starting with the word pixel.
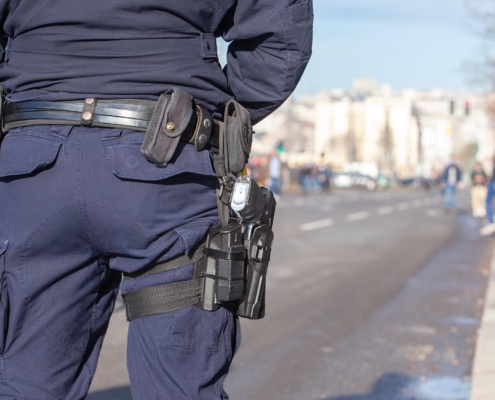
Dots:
pixel 88 112
pixel 162 299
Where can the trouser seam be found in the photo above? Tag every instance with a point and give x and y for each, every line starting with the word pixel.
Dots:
pixel 83 206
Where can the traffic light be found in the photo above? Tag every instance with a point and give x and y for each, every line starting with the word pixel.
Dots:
pixel 452 107
pixel 467 108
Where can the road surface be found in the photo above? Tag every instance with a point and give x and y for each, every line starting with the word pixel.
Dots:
pixel 371 296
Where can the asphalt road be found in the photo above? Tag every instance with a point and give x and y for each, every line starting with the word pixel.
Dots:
pixel 371 296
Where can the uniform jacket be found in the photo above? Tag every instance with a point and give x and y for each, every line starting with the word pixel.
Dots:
pixel 72 49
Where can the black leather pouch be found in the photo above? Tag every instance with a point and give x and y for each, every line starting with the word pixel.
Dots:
pixel 171 117
pixel 239 136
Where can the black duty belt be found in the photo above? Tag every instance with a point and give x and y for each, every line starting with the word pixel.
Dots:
pixel 126 114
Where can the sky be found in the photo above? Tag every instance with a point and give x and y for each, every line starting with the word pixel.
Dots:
pixel 420 44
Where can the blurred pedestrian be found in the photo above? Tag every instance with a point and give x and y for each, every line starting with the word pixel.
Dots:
pixel 489 228
pixel 451 180
pixel 275 173
pixel 478 190
pixel 314 182
pixel 304 178
pixel 324 177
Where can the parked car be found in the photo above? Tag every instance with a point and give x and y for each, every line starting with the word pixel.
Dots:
pixel 342 180
pixel 364 182
pixel 346 180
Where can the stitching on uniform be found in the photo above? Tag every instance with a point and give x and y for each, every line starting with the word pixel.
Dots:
pixel 66 343
pixel 195 345
pixel 215 6
pixel 286 49
pixel 280 13
pixel 95 304
pixel 84 210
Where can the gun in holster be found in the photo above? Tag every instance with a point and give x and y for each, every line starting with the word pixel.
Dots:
pixel 237 255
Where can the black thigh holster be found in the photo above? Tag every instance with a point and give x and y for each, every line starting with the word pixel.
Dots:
pixel 219 265
pixel 228 271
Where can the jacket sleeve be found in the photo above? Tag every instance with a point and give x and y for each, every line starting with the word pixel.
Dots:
pixel 270 47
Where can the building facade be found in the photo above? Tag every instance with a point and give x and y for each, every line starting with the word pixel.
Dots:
pixel 405 134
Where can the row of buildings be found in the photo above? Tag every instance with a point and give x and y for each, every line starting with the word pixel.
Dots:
pixel 412 133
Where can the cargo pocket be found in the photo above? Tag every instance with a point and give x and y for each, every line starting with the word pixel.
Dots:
pixel 26 150
pixel 126 161
pixel 193 328
pixel 4 298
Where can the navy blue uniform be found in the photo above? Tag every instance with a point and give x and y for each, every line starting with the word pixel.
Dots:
pixel 71 49
pixel 80 205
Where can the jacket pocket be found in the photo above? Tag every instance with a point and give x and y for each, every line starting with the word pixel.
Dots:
pixel 27 150
pixel 4 297
pixel 126 161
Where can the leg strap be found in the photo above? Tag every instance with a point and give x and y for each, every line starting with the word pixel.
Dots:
pixel 162 299
pixel 174 263
pixel 168 297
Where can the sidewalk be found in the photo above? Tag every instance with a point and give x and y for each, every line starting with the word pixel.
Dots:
pixel 483 376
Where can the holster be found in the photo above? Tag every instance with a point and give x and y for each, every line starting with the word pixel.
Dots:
pixel 222 270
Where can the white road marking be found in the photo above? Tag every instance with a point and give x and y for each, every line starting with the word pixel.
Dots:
pixel 385 210
pixel 358 216
pixel 403 206
pixel 417 203
pixel 420 329
pixel 432 212
pixel 326 350
pixel 310 226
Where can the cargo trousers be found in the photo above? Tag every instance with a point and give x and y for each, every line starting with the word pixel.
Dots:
pixel 78 207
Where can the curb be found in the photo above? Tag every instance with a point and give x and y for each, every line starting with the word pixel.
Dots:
pixel 483 374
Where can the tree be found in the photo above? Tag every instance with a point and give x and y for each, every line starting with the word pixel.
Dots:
pixel 482 23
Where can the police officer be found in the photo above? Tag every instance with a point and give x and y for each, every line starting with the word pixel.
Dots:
pixel 80 205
